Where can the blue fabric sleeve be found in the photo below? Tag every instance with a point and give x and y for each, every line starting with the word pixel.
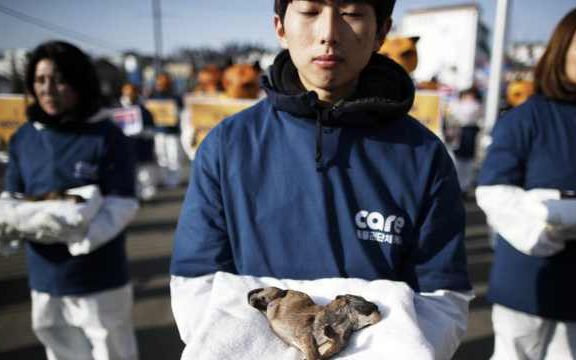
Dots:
pixel 438 259
pixel 201 244
pixel 117 170
pixel 13 179
pixel 506 156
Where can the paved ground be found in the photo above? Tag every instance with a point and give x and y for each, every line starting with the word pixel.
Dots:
pixel 149 247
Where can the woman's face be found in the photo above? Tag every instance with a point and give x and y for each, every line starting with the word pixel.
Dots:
pixel 571 60
pixel 54 95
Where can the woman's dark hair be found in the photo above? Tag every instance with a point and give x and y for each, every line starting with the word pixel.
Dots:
pixel 550 78
pixel 76 70
pixel 382 8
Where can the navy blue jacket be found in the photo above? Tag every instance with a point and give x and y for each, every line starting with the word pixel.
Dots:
pixel 292 189
pixel 534 147
pixel 53 158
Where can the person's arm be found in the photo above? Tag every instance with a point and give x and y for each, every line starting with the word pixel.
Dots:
pixel 13 182
pixel 201 244
pixel 117 184
pixel 531 220
pixel 436 266
pixel 534 222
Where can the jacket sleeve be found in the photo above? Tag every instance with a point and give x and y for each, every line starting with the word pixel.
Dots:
pixel 437 257
pixel 201 243
pixel 13 181
pixel 117 184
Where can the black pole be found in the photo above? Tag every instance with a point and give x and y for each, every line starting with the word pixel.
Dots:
pixel 157 15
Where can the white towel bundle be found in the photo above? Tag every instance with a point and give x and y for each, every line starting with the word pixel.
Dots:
pixel 50 221
pixel 231 329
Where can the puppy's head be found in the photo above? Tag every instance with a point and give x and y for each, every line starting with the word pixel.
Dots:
pixel 260 298
pixel 360 311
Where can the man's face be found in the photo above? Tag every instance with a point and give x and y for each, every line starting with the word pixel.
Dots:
pixel 330 42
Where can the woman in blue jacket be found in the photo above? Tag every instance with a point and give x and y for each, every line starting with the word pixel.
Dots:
pixel 527 186
pixel 81 295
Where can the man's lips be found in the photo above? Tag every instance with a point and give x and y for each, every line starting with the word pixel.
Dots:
pixel 327 61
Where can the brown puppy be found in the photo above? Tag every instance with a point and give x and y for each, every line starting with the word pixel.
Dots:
pixel 56 195
pixel 318 331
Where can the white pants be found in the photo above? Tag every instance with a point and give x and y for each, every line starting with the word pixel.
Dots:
pixel 97 326
pixel 147 181
pixel 169 155
pixel 521 336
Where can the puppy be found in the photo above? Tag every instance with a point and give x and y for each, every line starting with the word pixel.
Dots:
pixel 335 323
pixel 319 332
pixel 56 195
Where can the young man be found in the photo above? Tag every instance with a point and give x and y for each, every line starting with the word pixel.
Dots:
pixel 328 177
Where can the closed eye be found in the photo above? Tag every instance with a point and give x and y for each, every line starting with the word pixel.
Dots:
pixel 309 13
pixel 353 14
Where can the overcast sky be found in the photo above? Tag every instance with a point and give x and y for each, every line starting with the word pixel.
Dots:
pixel 106 26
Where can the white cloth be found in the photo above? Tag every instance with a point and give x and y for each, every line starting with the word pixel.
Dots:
pixel 535 222
pixel 84 226
pixel 466 112
pixel 112 218
pixel 521 336
pixel 49 221
pixel 96 326
pixel 216 321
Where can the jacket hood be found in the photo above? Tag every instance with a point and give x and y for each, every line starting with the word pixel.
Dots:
pixel 385 92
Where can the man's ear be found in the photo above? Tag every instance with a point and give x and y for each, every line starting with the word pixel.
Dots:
pixel 280 32
pixel 381 34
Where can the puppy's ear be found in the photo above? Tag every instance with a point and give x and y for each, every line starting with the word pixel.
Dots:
pixel 251 293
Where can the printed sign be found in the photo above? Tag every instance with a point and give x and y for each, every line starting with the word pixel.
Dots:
pixel 129 119
pixel 206 112
pixel 165 112
pixel 427 109
pixel 12 116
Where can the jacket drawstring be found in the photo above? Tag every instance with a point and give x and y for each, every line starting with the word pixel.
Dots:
pixel 318 139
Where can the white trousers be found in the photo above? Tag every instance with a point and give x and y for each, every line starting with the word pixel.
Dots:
pixel 169 155
pixel 521 336
pixel 147 179
pixel 97 326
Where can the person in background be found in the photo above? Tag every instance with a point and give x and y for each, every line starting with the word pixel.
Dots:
pixel 143 143
pixel 167 138
pixel 298 185
pixel 465 116
pixel 527 189
pixel 81 294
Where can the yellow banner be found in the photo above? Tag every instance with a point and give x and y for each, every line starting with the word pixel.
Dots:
pixel 427 109
pixel 206 113
pixel 12 116
pixel 165 112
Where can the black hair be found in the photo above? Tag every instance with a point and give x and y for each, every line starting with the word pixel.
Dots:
pixel 382 9
pixel 76 69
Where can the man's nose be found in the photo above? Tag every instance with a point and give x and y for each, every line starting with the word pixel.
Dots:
pixel 329 26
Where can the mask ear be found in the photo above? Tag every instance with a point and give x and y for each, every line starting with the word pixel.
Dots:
pixel 280 31
pixel 381 34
